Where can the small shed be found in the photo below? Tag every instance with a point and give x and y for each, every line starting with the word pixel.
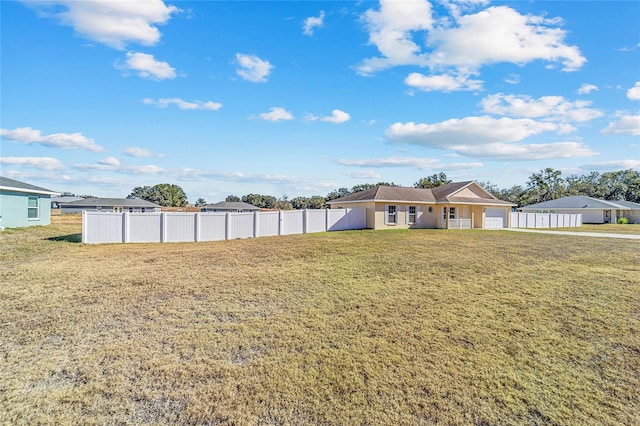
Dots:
pixel 593 210
pixel 230 206
pixel 117 205
pixel 23 204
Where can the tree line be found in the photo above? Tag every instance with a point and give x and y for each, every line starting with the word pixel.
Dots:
pixel 548 184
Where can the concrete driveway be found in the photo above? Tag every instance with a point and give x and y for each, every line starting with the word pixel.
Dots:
pixel 578 234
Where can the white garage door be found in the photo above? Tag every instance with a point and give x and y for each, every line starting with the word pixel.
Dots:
pixel 495 218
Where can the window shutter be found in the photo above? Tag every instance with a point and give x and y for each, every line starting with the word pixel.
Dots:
pixel 406 215
pixel 418 214
pixel 386 214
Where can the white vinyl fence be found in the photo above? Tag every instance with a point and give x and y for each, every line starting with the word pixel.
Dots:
pixel 545 220
pixel 109 227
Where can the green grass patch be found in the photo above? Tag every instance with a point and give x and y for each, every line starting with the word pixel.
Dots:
pixel 358 327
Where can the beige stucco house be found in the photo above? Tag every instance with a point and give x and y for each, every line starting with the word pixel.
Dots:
pixel 456 205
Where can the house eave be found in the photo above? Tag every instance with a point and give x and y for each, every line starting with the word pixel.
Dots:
pixel 28 191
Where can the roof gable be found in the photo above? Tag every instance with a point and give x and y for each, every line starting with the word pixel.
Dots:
pixel 15 185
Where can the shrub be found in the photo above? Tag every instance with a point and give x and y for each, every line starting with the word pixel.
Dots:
pixel 623 221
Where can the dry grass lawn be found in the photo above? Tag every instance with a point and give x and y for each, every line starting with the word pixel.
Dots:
pixel 359 327
pixel 609 228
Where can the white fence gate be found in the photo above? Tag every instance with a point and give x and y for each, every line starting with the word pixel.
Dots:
pixel 109 227
pixel 545 220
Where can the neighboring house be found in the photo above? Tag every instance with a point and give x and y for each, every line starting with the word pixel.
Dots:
pixel 232 206
pixel 55 201
pixel 593 210
pixel 133 205
pixel 22 204
pixel 456 205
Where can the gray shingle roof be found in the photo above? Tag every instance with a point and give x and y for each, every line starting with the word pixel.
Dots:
pixel 6 183
pixel 232 205
pixel 443 194
pixel 583 202
pixel 111 202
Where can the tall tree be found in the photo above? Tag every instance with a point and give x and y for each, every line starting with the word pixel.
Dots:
pixel 433 181
pixel 546 185
pixel 162 194
pixel 232 199
pixel 201 202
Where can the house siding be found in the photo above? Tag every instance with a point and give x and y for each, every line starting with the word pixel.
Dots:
pixel 14 209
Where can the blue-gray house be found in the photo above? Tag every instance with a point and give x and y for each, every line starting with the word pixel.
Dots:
pixel 22 204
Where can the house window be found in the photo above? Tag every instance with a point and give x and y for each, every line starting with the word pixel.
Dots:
pixel 452 213
pixel 392 215
pixel 411 214
pixel 33 208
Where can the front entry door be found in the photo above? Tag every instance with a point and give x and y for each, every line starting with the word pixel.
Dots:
pixel 607 216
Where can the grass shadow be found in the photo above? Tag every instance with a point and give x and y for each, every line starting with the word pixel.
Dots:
pixel 71 238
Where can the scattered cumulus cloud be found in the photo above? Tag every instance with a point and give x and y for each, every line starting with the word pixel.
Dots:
pixel 634 92
pixel 626 125
pixel 585 89
pixel 366 174
pixel 146 66
pixel 114 23
pixel 182 104
pixel 613 165
pixel 44 163
pixel 27 135
pixel 547 107
pixel 443 82
pixel 456 48
pixel 337 116
pixel 276 114
pixel 110 161
pixel 252 68
pixel 512 79
pixel 134 151
pixel 414 162
pixel 313 22
pixel 488 137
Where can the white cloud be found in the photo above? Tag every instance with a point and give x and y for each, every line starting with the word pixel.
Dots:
pixel 134 151
pixel 585 89
pixel 443 82
pixel 182 104
pixel 337 116
pixel 44 163
pixel 628 124
pixel 613 165
pixel 367 174
pixel 252 68
pixel 455 48
pixel 110 161
pixel 415 162
pixel 313 22
pixel 512 79
pixel 27 135
pixel 114 23
pixel 501 34
pixel 475 130
pixel 488 137
pixel 549 107
pixel 391 31
pixel 276 114
pixel 147 66
pixel 634 92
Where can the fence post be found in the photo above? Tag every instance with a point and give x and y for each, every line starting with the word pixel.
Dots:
pixel 196 223
pixel 227 224
pixel 305 220
pixel 85 223
pixel 326 221
pixel 256 224
pixel 280 219
pixel 125 227
pixel 163 227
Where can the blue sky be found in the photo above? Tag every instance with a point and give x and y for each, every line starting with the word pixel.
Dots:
pixel 299 98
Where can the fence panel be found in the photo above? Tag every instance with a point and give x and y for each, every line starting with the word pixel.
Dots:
pixel 240 225
pixel 213 226
pixel 317 220
pixel 545 220
pixel 144 227
pixel 268 224
pixel 179 227
pixel 99 227
pixel 292 222
pixel 108 227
